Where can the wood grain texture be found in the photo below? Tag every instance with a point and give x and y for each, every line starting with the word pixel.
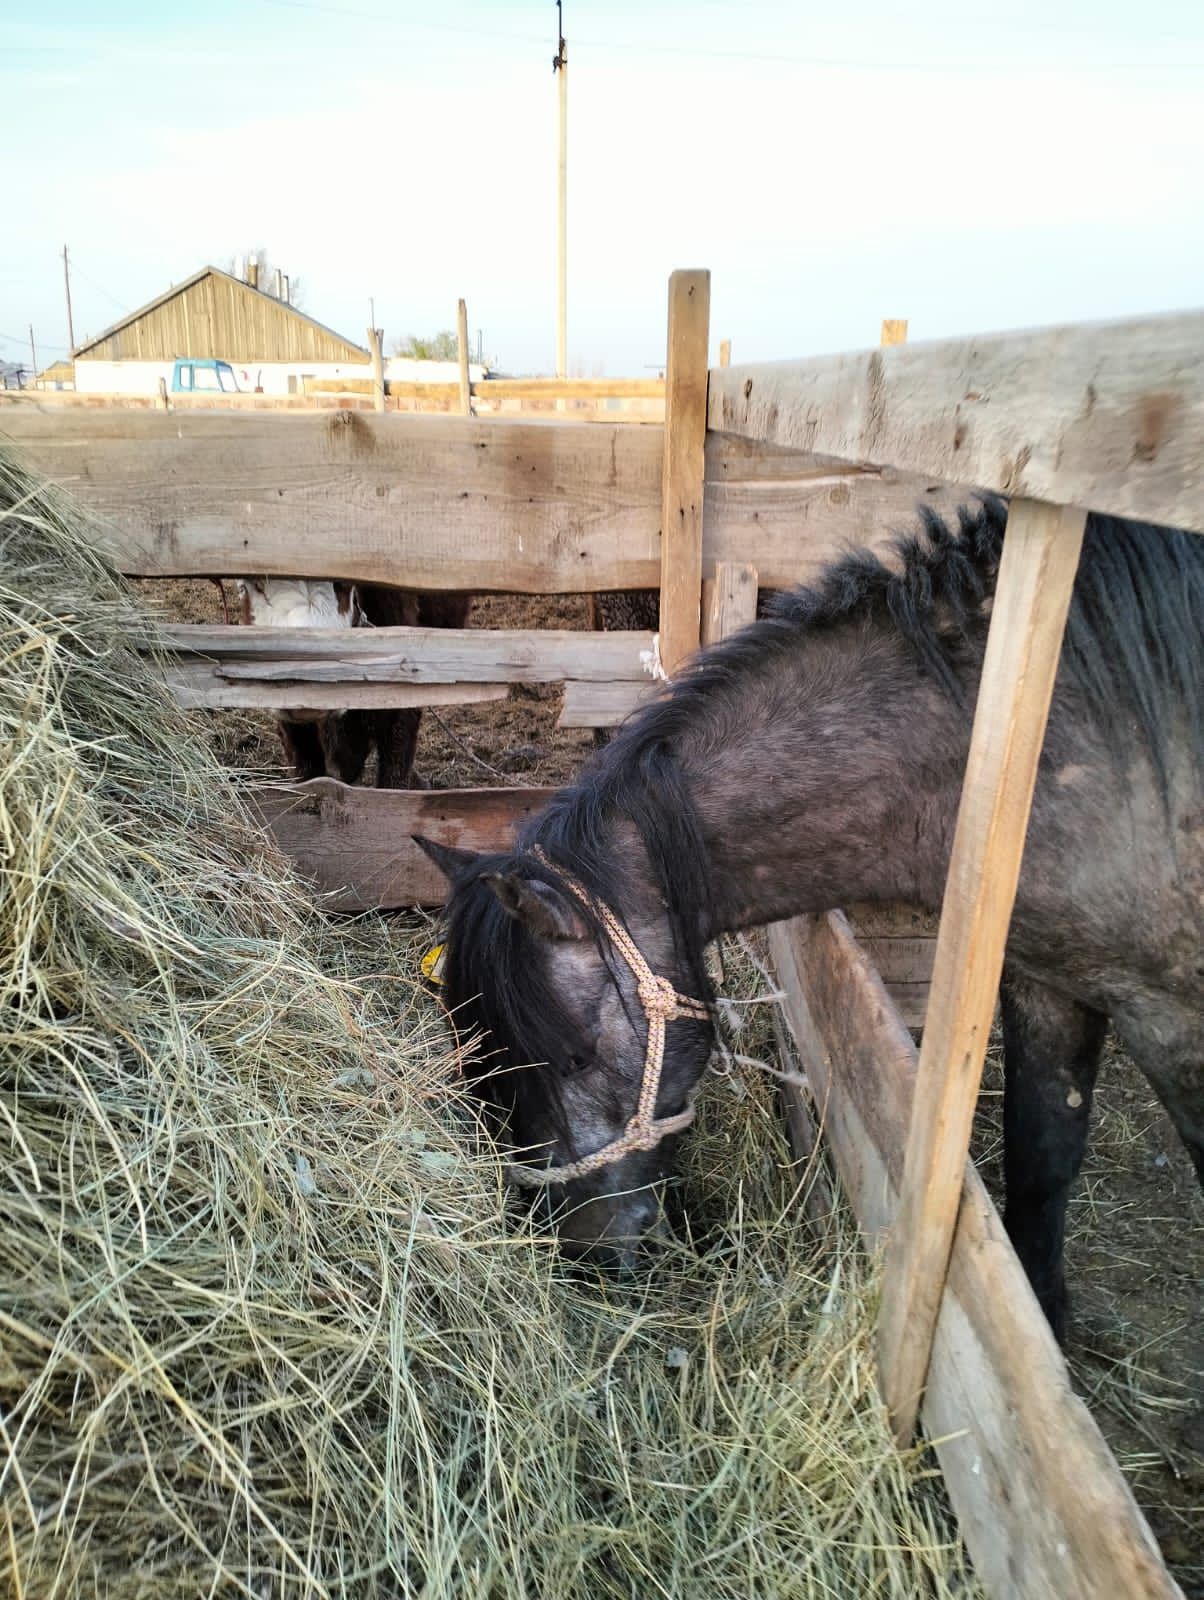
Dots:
pixel 378 369
pixel 1032 597
pixel 684 466
pixel 421 502
pixel 201 684
pixel 355 844
pixel 462 354
pixel 1042 1505
pixel 417 655
pixel 1108 416
pixel 603 705
pixel 438 503
pixel 729 600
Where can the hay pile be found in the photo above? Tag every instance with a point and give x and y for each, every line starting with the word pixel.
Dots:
pixel 266 1326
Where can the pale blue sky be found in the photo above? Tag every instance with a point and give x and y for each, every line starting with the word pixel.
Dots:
pixel 973 165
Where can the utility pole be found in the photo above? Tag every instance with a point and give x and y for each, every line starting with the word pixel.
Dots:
pixel 70 324
pixel 33 351
pixel 560 64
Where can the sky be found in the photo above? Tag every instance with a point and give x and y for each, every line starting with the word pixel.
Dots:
pixel 967 164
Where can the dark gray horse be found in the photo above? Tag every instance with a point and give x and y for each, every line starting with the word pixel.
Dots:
pixel 817 759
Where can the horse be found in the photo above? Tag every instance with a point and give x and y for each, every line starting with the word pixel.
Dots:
pixel 816 758
pixel 338 743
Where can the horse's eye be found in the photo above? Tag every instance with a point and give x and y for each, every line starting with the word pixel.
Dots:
pixel 576 1063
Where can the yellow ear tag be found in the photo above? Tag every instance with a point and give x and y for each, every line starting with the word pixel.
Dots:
pixel 432 964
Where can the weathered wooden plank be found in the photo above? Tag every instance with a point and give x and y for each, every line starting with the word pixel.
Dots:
pixel 415 655
pixel 1108 416
pixel 729 600
pixel 684 466
pixel 419 501
pixel 602 705
pixel 462 354
pixel 1032 598
pixel 435 502
pixel 793 529
pixel 355 844
pixel 201 684
pixel 1043 1508
pixel 570 389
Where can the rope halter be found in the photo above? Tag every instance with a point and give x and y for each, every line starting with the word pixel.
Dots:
pixel 662 1004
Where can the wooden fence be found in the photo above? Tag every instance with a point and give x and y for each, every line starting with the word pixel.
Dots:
pixel 581 399
pixel 759 475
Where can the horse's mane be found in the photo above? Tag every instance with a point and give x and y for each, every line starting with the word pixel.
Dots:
pixel 1132 648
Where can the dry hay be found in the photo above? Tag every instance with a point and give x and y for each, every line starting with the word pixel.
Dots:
pixel 269 1327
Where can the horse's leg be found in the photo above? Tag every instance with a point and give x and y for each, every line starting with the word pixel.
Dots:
pixel 1051 1051
pixel 396 734
pixel 346 739
pixel 302 748
pixel 1166 1040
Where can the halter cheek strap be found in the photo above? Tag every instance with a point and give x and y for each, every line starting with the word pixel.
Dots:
pixel 662 1004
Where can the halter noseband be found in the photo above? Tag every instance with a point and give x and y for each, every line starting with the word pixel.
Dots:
pixel 662 1004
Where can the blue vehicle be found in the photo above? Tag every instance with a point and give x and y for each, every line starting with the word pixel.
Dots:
pixel 203 377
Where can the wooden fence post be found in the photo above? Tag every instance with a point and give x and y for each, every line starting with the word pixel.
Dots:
pixel 725 352
pixel 684 465
pixel 894 331
pixel 729 600
pixel 378 368
pixel 1032 597
pixel 462 347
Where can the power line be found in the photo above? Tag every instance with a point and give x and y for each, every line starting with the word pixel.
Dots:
pixel 772 58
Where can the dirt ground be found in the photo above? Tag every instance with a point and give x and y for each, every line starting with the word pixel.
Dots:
pixel 1136 1228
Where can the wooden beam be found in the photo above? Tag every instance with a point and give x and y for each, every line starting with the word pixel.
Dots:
pixel 1107 416
pixel 725 352
pixel 414 655
pixel 462 351
pixel 437 503
pixel 1042 1506
pixel 378 369
pixel 894 331
pixel 684 466
pixel 729 600
pixel 569 389
pixel 201 684
pixel 1032 597
pixel 603 705
pixel 355 844
pixel 421 502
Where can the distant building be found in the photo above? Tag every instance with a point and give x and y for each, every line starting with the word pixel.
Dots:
pixel 214 316
pixel 58 375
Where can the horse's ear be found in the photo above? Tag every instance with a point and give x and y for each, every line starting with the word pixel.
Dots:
pixel 450 860
pixel 545 910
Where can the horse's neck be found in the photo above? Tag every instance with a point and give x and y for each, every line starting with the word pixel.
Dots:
pixel 849 794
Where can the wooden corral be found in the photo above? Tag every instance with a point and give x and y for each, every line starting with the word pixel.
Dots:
pixel 799 461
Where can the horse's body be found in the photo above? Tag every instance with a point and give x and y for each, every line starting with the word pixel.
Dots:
pixel 817 759
pixel 337 744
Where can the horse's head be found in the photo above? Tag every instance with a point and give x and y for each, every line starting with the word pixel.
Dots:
pixel 592 1044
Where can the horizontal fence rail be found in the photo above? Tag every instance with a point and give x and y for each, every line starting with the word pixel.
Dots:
pixel 440 503
pixel 1105 416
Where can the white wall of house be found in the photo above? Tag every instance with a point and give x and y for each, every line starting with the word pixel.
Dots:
pixel 142 377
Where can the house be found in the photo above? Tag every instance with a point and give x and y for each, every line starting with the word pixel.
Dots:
pixel 58 375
